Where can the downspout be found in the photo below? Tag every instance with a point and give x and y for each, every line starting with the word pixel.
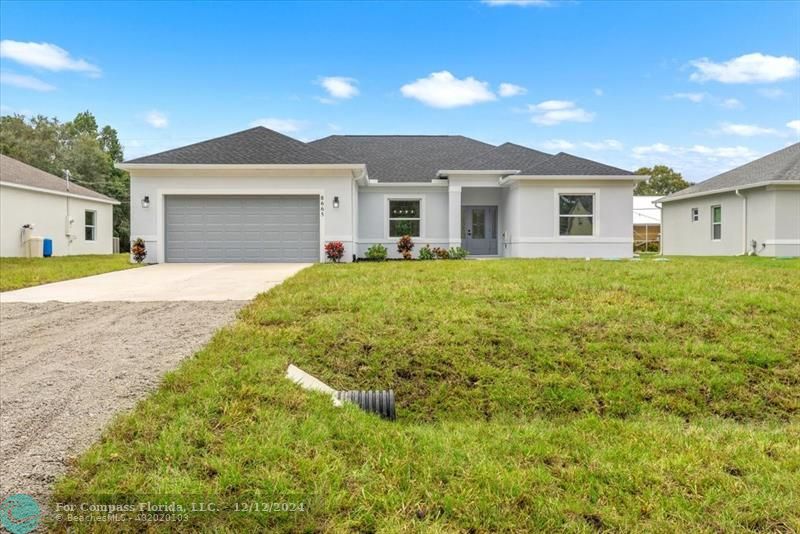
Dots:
pixel 744 221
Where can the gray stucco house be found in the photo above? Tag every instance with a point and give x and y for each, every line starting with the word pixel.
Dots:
pixel 260 196
pixel 754 208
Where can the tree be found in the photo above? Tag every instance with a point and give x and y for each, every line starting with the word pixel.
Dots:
pixel 663 181
pixel 78 147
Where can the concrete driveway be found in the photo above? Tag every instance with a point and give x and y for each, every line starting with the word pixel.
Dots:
pixel 66 368
pixel 165 282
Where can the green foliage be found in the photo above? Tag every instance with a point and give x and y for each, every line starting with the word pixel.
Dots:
pixel 425 253
pixel 16 273
pixel 78 146
pixel 457 253
pixel 663 181
pixel 377 252
pixel 404 246
pixel 533 396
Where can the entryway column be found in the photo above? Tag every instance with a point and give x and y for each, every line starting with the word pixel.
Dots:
pixel 454 215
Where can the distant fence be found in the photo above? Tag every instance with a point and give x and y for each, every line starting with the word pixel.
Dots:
pixel 647 238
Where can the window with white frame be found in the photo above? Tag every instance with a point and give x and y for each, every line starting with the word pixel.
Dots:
pixel 716 223
pixel 404 217
pixel 576 214
pixel 90 225
pixel 695 214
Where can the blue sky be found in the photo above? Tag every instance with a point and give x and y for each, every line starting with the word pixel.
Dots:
pixel 702 86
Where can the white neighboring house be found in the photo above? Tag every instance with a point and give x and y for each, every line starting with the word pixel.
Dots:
pixel 646 222
pixel 77 219
pixel 260 196
pixel 754 208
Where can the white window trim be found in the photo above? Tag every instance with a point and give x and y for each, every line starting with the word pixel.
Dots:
pixel 719 223
pixel 595 212
pixel 92 226
pixel 388 198
pixel 695 214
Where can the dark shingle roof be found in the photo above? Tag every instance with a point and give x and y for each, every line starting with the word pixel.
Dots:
pixel 563 164
pixel 255 146
pixel 403 158
pixel 507 156
pixel 783 165
pixel 15 172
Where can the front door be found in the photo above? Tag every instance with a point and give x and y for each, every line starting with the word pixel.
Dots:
pixel 479 230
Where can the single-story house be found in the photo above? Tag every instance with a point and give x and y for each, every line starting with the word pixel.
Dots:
pixel 76 219
pixel 754 208
pixel 646 223
pixel 260 196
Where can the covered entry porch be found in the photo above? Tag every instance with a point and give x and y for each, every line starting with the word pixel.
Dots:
pixel 475 219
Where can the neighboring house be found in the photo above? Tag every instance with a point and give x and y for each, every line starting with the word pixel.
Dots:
pixel 260 196
pixel 752 208
pixel 646 223
pixel 77 219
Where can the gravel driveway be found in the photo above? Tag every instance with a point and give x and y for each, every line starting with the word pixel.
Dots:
pixel 67 369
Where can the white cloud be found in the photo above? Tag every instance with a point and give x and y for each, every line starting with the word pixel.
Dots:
pixel 772 92
pixel 598 92
pixel 745 130
pixel 691 97
pixel 25 82
pixel 661 149
pixel 749 68
pixel 339 87
pixel 520 3
pixel 285 126
pixel 45 56
pixel 557 144
pixel 552 112
pixel 606 144
pixel 156 119
pixel 509 89
pixel 657 148
pixel 794 125
pixel 731 103
pixel 443 90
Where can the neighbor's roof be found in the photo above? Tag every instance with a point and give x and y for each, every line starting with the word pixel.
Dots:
pixel 403 158
pixel 256 146
pixel 645 211
pixel 13 171
pixel 780 166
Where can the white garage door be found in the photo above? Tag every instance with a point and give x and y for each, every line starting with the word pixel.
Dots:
pixel 242 229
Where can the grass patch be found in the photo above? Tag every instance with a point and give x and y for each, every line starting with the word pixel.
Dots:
pixel 532 395
pixel 16 273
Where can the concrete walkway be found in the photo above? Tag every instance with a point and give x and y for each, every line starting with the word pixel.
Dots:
pixel 165 282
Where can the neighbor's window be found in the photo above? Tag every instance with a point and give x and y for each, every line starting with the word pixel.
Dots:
pixel 404 218
pixel 716 223
pixel 575 215
pixel 695 214
pixel 90 224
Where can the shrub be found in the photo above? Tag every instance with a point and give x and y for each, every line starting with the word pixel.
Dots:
pixel 441 253
pixel 425 253
pixel 458 253
pixel 138 250
pixel 377 252
pixel 404 246
pixel 334 250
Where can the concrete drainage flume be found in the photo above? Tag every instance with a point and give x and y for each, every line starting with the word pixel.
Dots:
pixel 380 402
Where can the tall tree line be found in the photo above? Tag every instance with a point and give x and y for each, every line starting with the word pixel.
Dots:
pixel 78 146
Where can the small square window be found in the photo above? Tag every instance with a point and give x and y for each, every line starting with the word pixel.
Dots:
pixel 404 218
pixel 695 214
pixel 90 225
pixel 576 215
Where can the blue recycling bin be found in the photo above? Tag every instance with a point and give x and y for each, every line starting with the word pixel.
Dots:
pixel 47 247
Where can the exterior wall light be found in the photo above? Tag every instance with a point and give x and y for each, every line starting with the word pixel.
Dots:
pixel 335 202
pixel 146 202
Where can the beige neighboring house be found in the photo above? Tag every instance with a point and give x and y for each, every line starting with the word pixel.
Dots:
pixel 77 219
pixel 754 208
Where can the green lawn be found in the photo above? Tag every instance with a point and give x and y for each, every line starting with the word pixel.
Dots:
pixel 532 395
pixel 16 273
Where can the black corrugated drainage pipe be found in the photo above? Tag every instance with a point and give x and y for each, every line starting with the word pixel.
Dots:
pixel 380 402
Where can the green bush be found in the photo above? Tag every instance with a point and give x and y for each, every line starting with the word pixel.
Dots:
pixel 457 253
pixel 377 252
pixel 425 253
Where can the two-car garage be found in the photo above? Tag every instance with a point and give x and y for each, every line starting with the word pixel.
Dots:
pixel 242 228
